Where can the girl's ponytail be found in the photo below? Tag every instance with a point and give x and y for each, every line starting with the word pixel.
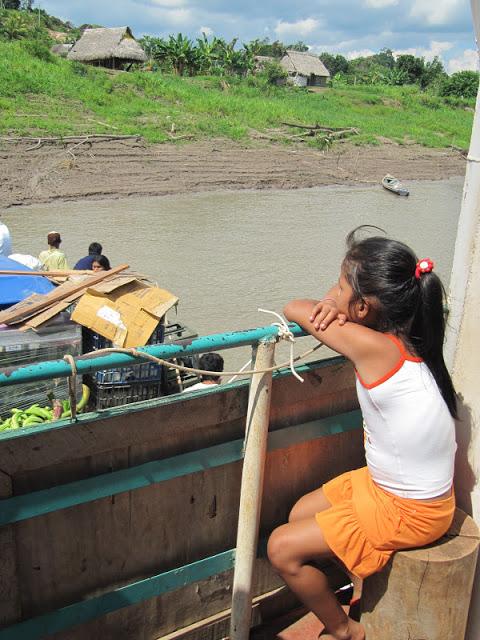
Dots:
pixel 427 333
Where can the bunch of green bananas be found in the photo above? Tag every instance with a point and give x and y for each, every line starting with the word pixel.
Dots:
pixel 36 415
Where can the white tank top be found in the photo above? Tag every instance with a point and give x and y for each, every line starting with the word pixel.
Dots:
pixel 409 432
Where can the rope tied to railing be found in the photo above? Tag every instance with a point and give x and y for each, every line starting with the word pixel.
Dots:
pixel 72 385
pixel 284 333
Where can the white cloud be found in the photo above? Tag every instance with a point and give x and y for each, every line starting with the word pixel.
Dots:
pixel 436 48
pixel 206 30
pixel 361 53
pixel 468 60
pixel 437 12
pixel 168 3
pixel 298 29
pixel 380 4
pixel 169 13
pixel 178 16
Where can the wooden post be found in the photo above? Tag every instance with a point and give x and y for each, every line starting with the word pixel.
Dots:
pixel 424 593
pixel 251 491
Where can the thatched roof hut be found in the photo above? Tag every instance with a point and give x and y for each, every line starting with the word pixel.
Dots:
pixel 113 48
pixel 304 69
pixel 61 49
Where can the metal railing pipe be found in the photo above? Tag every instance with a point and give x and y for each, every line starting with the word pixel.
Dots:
pixel 256 434
pixel 90 362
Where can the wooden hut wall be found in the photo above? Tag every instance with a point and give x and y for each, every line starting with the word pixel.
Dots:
pixel 52 560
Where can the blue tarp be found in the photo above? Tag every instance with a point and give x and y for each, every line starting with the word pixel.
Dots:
pixel 13 289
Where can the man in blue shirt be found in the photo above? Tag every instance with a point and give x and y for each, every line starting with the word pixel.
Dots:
pixel 95 249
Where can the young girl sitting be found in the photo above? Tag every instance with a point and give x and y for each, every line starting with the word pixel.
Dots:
pixel 386 315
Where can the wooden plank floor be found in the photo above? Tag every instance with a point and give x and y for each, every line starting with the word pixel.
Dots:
pixel 298 625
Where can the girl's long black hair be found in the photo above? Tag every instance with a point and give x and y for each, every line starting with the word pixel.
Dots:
pixel 410 307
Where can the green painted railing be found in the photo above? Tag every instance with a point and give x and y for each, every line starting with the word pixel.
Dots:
pixel 90 363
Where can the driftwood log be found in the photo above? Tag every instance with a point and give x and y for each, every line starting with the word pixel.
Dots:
pixel 325 135
pixel 424 594
pixel 316 127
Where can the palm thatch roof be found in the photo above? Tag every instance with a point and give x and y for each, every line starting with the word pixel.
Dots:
pixel 106 44
pixel 264 59
pixel 61 49
pixel 303 64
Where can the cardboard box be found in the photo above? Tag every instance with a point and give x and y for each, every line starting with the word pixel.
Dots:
pixel 126 313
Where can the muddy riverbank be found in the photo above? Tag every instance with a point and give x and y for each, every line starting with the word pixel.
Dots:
pixel 38 173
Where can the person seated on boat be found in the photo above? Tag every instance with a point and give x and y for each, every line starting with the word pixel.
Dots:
pixel 101 263
pixel 386 315
pixel 5 240
pixel 94 249
pixel 52 258
pixel 27 260
pixel 208 362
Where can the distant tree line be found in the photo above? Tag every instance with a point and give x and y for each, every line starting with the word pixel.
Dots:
pixel 404 69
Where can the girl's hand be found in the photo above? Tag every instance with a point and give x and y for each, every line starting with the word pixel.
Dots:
pixel 324 313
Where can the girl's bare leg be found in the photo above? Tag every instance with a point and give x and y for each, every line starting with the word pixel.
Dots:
pixel 291 549
pixel 306 507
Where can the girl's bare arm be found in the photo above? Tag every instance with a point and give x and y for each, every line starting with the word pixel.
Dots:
pixel 370 351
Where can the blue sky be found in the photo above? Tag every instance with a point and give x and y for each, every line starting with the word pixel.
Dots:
pixel 351 27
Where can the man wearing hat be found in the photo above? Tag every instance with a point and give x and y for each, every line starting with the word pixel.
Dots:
pixel 53 259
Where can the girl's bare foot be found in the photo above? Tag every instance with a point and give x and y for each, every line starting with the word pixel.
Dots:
pixel 355 631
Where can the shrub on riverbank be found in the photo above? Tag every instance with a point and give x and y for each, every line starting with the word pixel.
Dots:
pixel 41 97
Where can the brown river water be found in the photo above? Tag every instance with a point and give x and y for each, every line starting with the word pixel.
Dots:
pixel 224 254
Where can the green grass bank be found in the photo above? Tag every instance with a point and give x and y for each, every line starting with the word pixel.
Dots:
pixel 50 96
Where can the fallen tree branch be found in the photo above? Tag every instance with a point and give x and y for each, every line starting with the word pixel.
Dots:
pixel 341 133
pixel 93 137
pixel 315 127
pixel 463 152
pixel 37 146
pixel 184 136
pixel 104 124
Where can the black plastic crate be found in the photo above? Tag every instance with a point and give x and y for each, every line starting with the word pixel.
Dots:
pixel 104 396
pixel 115 387
pixel 146 371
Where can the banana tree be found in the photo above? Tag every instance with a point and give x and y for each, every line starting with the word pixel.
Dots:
pixel 233 60
pixel 249 52
pixel 208 53
pixel 182 54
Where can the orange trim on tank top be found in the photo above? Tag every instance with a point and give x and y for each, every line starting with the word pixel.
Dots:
pixel 404 356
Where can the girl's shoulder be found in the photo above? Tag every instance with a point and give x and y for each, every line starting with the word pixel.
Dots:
pixel 384 355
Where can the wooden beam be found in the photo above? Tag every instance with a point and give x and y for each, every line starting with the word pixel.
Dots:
pixel 37 503
pixel 48 274
pixel 36 303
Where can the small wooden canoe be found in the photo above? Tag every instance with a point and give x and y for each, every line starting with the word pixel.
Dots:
pixel 394 185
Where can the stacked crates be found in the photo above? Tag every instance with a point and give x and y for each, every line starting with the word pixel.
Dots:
pixel 21 348
pixel 137 382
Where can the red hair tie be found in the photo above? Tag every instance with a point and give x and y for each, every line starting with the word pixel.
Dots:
pixel 425 265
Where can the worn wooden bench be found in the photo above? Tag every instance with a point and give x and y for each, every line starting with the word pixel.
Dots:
pixel 424 594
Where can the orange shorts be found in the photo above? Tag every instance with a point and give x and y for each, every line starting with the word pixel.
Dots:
pixel 366 524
